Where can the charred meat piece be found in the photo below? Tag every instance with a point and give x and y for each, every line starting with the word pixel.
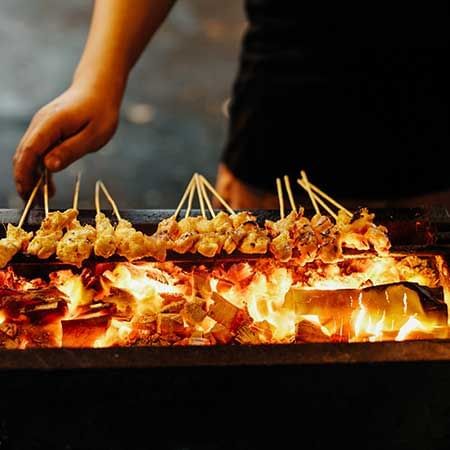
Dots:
pixel 16 240
pixel 50 233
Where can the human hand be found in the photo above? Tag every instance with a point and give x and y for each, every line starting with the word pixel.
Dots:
pixel 80 121
pixel 240 195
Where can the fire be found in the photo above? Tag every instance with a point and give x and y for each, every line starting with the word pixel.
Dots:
pixel 137 281
pixel 264 298
pixel 75 290
pixel 411 325
pixel 123 304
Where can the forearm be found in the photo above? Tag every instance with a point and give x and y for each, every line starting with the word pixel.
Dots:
pixel 119 32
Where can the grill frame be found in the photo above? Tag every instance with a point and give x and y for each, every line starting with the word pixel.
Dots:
pixel 432 235
pixel 131 358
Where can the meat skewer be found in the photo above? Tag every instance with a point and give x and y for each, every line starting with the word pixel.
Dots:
pixel 353 231
pixel 133 244
pixel 17 239
pixel 105 242
pixel 45 241
pixel 78 242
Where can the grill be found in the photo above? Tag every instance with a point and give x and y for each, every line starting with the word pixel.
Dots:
pixel 391 394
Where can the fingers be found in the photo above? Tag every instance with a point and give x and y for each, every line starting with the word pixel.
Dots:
pixel 72 149
pixel 44 132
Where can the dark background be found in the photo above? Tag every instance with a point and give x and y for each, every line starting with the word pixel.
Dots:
pixel 182 80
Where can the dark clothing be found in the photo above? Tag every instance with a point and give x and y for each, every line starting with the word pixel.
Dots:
pixel 356 96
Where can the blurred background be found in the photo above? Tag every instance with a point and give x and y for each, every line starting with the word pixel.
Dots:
pixel 173 119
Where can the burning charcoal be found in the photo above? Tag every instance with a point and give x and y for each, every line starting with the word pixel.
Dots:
pixel 193 313
pixel 254 333
pixel 8 334
pixel 38 306
pixel 84 332
pixel 174 307
pixel 124 304
pixel 201 283
pixel 310 332
pixel 47 312
pixel 248 335
pixel 172 324
pixel 372 313
pixel 40 336
pixel 96 310
pixel 224 312
pixel 173 303
pixel 221 334
pixel 194 340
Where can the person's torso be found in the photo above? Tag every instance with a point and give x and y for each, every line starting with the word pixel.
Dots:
pixel 362 78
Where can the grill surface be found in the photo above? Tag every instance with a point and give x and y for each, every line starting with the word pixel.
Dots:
pixel 361 395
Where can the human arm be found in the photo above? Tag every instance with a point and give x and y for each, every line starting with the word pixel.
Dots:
pixel 84 118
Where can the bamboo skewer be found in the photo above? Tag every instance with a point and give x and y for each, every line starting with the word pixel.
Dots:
pixel 309 191
pixel 111 201
pixel 280 197
pixel 287 184
pixel 199 194
pixel 184 197
pixel 330 199
pixel 97 197
pixel 46 192
pixel 29 202
pixel 206 198
pixel 217 195
pixel 320 201
pixel 191 197
pixel 76 192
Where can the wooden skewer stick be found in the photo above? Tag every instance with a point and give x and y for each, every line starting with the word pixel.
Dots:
pixel 331 200
pixel 29 202
pixel 217 195
pixel 287 184
pixel 76 192
pixel 184 197
pixel 46 192
pixel 207 200
pixel 97 197
pixel 309 191
pixel 280 198
pixel 320 201
pixel 111 201
pixel 199 194
pixel 191 197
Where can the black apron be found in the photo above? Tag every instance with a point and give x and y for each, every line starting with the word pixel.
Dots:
pixel 357 96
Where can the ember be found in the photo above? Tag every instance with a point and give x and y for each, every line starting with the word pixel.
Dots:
pixel 253 302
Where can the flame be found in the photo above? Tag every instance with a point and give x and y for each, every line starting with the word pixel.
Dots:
pixel 314 318
pixel 411 325
pixel 118 331
pixel 76 292
pixel 265 301
pixel 136 280
pixel 261 302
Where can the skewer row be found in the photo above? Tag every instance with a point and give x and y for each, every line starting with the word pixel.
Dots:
pixel 324 236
